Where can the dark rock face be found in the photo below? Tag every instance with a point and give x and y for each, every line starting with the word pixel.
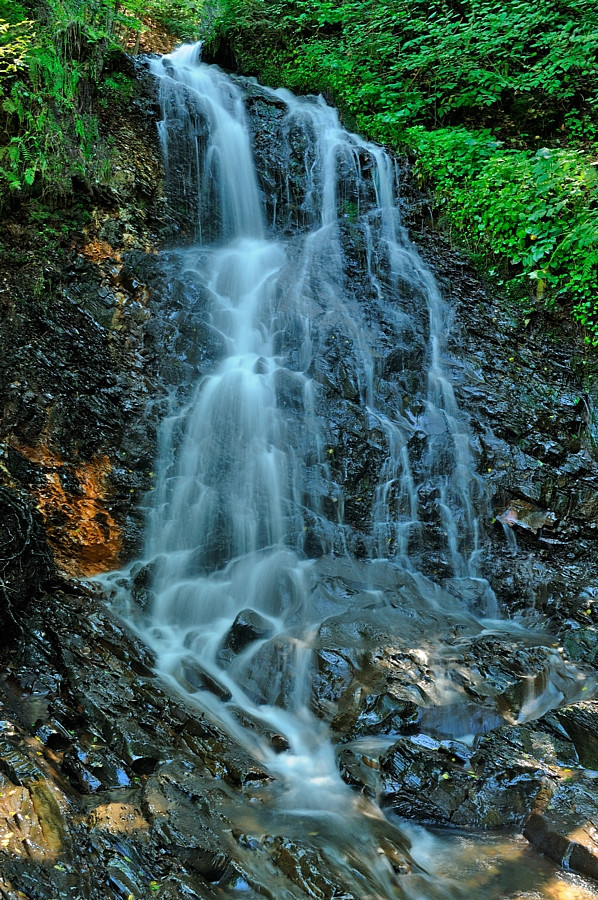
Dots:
pixel 527 387
pixel 26 563
pixel 581 724
pixel 565 829
pixel 193 677
pixel 249 626
pixel 453 787
pixel 74 424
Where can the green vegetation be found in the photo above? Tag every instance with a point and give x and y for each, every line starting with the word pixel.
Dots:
pixel 535 213
pixel 181 17
pixel 496 100
pixel 54 64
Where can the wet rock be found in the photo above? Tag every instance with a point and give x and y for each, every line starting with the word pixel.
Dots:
pixel 142 578
pixel 526 515
pixel 580 723
pixel 475 594
pixel 96 794
pixel 565 829
pixel 25 559
pixel 33 810
pixel 176 802
pixel 444 783
pixel 580 640
pixel 290 390
pixel 351 691
pixel 209 863
pixel 31 821
pixel 193 678
pixel 249 626
pixel 269 676
pixel 371 680
pixel 17 765
pixel 408 355
pixel 277 741
pixel 461 719
pixel 80 776
pixel 72 396
pixel 360 767
pixel 302 868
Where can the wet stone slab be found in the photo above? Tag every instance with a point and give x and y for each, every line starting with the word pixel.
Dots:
pixel 566 828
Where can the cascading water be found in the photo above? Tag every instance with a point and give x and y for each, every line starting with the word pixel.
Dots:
pixel 250 513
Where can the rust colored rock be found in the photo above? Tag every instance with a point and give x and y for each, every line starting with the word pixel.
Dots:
pixel 81 530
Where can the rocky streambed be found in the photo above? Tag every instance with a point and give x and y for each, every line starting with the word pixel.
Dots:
pixel 113 787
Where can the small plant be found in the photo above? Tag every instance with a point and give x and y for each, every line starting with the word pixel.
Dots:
pixel 117 88
pixel 16 35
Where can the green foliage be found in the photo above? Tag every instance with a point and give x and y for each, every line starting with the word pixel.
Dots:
pixel 537 211
pixel 48 135
pixel 12 12
pixel 441 78
pixel 117 88
pixel 426 61
pixel 15 40
pixel 181 17
pixel 50 69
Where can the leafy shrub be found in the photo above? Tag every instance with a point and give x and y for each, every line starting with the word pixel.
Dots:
pixel 426 61
pixel 15 39
pixel 537 211
pixel 48 134
pixel 49 69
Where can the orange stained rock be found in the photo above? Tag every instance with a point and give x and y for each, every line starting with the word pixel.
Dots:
pixel 98 251
pixel 109 262
pixel 81 530
pixel 117 817
pixel 31 823
pixel 556 889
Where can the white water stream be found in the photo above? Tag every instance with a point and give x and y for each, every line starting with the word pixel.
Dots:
pixel 238 506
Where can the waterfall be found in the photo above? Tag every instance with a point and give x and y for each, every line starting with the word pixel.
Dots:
pixel 250 496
